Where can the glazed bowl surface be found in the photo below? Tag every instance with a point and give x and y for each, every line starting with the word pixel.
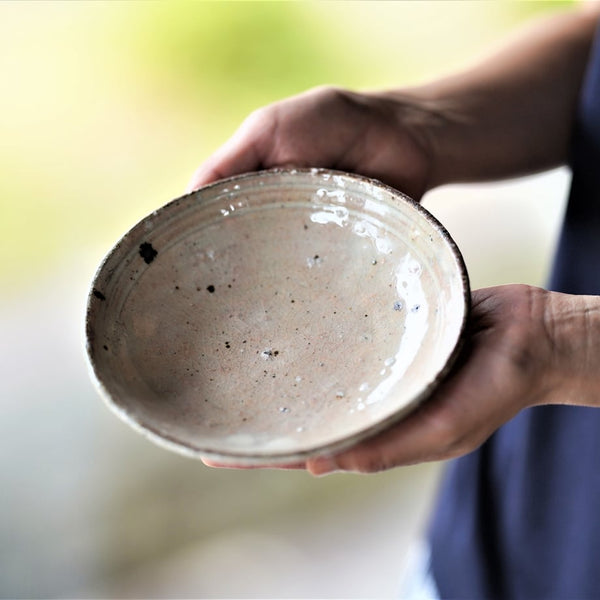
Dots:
pixel 276 315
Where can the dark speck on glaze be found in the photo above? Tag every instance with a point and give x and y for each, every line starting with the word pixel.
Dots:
pixel 147 252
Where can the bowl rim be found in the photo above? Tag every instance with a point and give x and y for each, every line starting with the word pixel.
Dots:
pixel 258 458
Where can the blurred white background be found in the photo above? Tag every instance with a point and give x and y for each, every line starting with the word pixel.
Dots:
pixel 106 110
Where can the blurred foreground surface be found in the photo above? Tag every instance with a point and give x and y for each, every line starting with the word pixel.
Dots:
pixel 106 110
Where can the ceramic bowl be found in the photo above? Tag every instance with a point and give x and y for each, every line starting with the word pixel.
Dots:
pixel 276 315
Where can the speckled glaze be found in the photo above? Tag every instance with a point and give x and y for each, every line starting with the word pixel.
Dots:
pixel 276 315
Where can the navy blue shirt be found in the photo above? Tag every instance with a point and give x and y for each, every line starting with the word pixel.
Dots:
pixel 520 516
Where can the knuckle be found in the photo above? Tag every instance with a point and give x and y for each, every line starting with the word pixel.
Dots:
pixel 458 440
pixel 458 447
pixel 332 95
pixel 327 90
pixel 451 445
pixel 448 435
pixel 258 117
pixel 363 462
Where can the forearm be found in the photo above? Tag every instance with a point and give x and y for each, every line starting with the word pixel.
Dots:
pixel 512 113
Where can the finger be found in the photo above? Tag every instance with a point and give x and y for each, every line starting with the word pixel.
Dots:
pixel 223 465
pixel 406 443
pixel 445 426
pixel 232 158
pixel 243 152
pixel 461 414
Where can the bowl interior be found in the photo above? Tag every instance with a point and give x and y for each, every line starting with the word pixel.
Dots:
pixel 276 315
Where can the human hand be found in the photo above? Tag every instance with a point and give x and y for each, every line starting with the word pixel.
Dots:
pixel 526 347
pixel 375 135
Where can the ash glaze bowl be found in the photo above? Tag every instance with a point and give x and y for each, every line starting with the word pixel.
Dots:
pixel 276 315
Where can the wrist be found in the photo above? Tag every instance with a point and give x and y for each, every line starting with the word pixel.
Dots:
pixel 573 326
pixel 423 120
pixel 441 126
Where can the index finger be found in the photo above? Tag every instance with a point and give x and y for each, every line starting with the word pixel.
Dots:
pixel 239 154
pixel 224 465
pixel 230 159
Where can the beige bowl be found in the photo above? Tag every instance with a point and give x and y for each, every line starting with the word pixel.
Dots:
pixel 276 315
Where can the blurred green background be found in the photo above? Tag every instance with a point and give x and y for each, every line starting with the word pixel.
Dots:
pixel 106 110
